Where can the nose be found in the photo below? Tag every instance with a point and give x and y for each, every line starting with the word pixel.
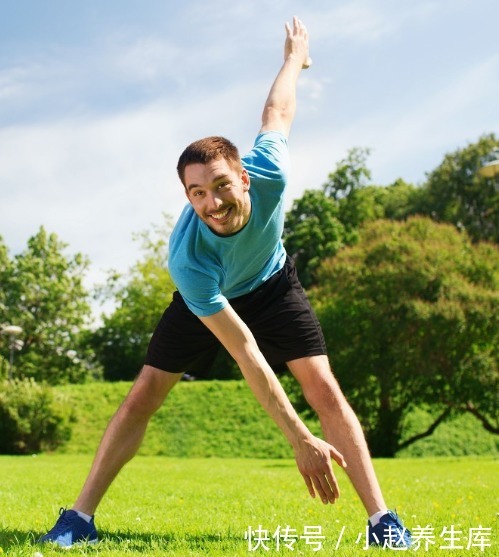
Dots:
pixel 213 202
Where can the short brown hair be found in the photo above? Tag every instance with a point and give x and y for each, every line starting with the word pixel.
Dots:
pixel 206 150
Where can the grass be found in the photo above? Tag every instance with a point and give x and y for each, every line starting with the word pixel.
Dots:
pixel 199 419
pixel 223 419
pixel 162 506
pixel 462 435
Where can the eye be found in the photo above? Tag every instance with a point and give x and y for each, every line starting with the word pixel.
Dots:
pixel 224 185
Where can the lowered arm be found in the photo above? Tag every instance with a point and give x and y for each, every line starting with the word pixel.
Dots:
pixel 313 455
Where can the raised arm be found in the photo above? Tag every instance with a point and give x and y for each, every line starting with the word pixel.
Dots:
pixel 280 106
pixel 313 455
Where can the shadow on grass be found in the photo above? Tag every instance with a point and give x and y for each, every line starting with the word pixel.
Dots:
pixel 135 541
pixel 17 537
pixel 202 540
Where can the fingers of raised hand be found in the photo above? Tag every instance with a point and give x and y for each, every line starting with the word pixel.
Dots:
pixel 298 30
pixel 299 27
pixel 300 33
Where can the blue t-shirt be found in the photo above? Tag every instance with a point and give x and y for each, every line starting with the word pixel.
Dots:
pixel 209 269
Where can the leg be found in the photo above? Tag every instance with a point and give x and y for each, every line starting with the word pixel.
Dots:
pixel 340 426
pixel 124 433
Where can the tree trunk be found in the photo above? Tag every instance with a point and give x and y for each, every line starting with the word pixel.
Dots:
pixel 383 441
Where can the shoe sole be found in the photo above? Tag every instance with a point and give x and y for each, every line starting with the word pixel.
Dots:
pixel 76 544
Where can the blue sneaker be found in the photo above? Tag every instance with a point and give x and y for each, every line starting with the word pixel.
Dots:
pixel 389 532
pixel 70 529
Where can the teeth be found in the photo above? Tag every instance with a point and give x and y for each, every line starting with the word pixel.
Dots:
pixel 218 216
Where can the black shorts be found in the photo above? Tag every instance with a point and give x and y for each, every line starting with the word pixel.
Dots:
pixel 278 314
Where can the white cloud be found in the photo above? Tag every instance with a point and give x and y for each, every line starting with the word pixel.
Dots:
pixel 24 81
pixel 96 180
pixel 408 140
pixel 91 181
pixel 367 21
pixel 11 83
pixel 445 120
pixel 146 58
pixel 312 87
pixel 88 151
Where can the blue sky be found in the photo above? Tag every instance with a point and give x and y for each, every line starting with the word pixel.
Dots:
pixel 98 99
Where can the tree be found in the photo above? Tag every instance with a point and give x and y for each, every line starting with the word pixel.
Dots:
pixel 396 201
pixel 456 193
pixel 4 277
pixel 350 174
pixel 140 298
pixel 361 205
pixel 312 232
pixel 401 200
pixel 322 222
pixel 411 316
pixel 44 294
pixel 5 271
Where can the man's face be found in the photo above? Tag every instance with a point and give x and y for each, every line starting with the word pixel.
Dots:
pixel 219 194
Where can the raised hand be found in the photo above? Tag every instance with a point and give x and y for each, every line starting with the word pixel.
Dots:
pixel 296 44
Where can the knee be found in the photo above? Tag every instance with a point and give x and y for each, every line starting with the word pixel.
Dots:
pixel 146 395
pixel 324 395
pixel 138 404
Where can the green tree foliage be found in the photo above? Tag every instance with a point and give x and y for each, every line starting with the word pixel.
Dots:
pixel 33 417
pixel 456 193
pixel 358 201
pixel 43 292
pixel 411 317
pixel 395 202
pixel 321 222
pixel 350 174
pixel 314 228
pixel 400 200
pixel 312 232
pixel 4 275
pixel 140 297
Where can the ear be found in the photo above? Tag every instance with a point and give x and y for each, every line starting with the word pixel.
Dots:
pixel 245 179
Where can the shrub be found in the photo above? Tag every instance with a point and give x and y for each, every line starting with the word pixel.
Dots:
pixel 33 417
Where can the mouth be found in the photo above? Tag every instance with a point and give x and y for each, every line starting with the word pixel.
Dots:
pixel 221 216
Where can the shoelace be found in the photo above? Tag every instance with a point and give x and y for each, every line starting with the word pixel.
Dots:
pixel 62 521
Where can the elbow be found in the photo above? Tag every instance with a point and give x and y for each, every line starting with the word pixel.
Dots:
pixel 247 355
pixel 277 118
pixel 274 112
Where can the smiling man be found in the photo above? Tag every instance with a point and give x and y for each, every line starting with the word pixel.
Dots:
pixel 237 288
pixel 218 190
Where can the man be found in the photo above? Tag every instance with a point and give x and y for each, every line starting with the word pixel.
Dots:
pixel 237 287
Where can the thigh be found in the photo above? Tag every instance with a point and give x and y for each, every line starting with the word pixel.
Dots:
pixel 282 320
pixel 150 389
pixel 181 342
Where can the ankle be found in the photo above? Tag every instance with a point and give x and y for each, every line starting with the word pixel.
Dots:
pixel 375 518
pixel 86 517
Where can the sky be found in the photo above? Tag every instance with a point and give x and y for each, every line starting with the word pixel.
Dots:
pixel 98 99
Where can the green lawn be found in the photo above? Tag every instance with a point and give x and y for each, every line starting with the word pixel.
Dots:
pixel 165 506
pixel 223 419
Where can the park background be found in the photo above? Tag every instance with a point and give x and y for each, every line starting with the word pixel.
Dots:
pixel 391 219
